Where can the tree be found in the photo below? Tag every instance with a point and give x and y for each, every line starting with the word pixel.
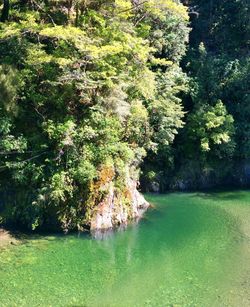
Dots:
pixel 97 89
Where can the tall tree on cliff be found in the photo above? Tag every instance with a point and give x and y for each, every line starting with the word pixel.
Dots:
pixel 94 87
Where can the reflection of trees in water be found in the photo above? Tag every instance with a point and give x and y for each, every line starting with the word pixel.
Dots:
pixel 117 245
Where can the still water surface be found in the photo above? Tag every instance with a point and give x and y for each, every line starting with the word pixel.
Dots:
pixel 190 250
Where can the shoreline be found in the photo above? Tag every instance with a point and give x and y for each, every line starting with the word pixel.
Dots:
pixel 6 238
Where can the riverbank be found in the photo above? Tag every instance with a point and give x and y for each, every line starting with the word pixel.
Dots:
pixel 7 238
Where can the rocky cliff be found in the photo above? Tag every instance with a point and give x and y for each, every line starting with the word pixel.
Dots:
pixel 113 211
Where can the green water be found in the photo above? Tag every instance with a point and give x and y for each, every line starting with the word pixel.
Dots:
pixel 190 250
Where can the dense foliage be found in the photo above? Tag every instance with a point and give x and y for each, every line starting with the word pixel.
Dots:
pixel 87 88
pixel 213 148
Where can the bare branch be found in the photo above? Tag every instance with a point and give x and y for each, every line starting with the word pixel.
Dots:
pixel 39 6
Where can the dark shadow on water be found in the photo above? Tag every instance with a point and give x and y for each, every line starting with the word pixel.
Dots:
pixel 227 195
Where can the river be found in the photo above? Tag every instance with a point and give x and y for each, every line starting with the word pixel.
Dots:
pixel 191 249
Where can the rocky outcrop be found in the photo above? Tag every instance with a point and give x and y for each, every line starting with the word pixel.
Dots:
pixel 115 211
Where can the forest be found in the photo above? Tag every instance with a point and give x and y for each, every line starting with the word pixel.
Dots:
pixel 97 94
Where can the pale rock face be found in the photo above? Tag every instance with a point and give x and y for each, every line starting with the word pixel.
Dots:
pixel 111 212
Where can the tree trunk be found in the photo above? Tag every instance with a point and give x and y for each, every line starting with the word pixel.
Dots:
pixel 77 14
pixel 5 11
